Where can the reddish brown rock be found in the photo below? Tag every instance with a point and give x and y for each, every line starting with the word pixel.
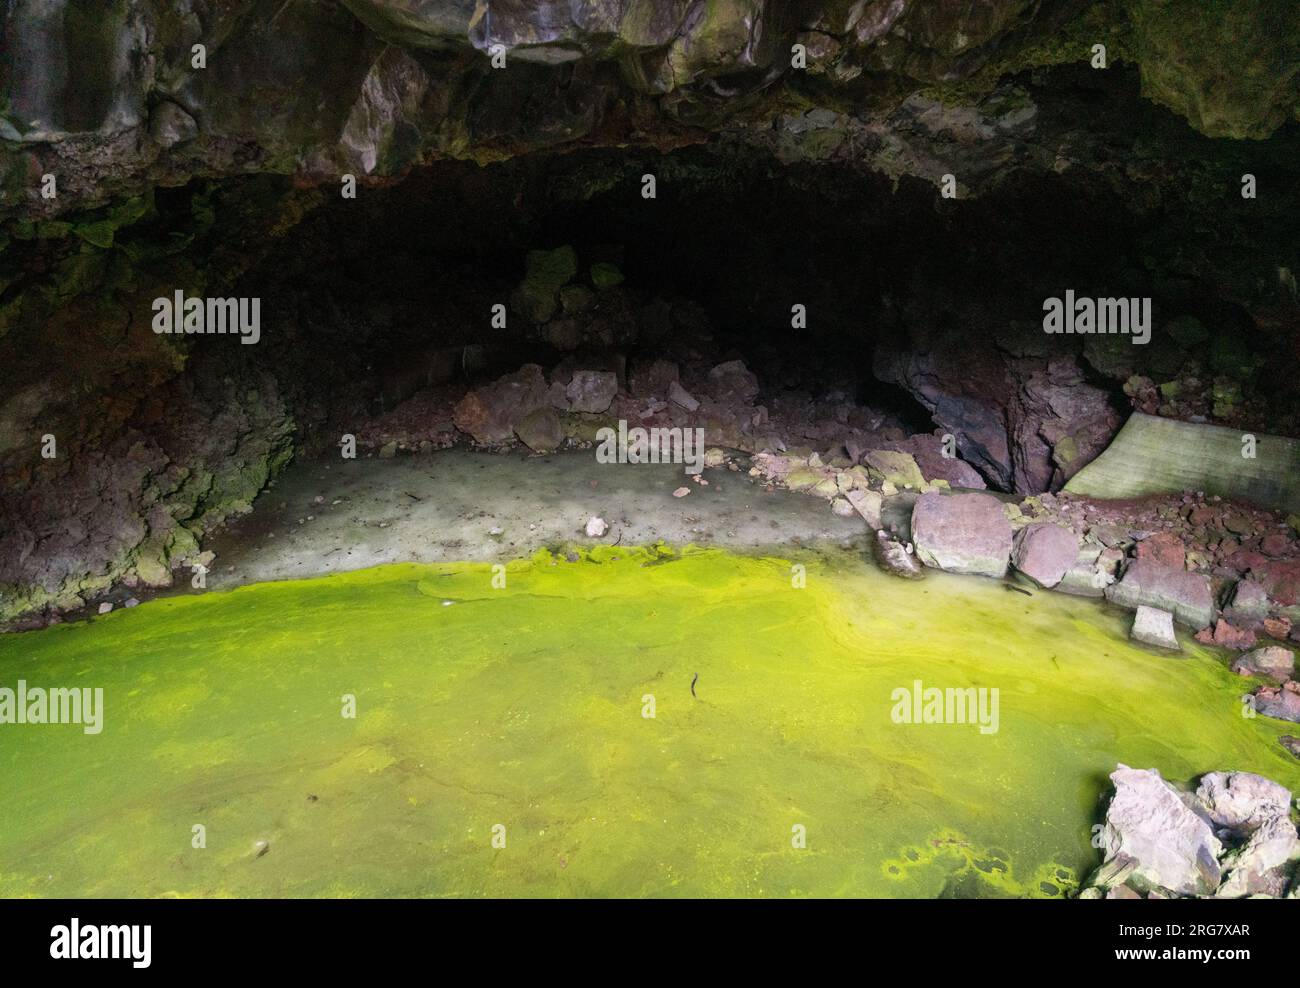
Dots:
pixel 962 533
pixel 1275 544
pixel 1278 627
pixel 1226 635
pixel 1279 578
pixel 1163 548
pixel 489 413
pixel 1273 661
pixel 1044 552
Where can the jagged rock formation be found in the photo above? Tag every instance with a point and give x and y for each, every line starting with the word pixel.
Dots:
pixel 115 98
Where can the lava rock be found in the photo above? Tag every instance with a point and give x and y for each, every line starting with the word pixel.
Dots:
pixel 1045 552
pixel 540 430
pixel 1273 661
pixel 591 390
pixel 1282 703
pixel 962 533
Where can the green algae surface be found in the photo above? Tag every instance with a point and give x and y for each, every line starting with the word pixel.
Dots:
pixel 501 744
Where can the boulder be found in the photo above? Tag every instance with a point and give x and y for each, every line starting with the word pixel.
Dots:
pixel 1265 864
pixel 1187 595
pixel 891 466
pixel 867 503
pixel 928 451
pixel 489 413
pixel 1242 801
pixel 1045 552
pixel 1248 604
pixel 541 430
pixel 1152 626
pixel 1280 702
pixel 1150 825
pixel 591 390
pixel 1273 661
pixel 733 380
pixel 962 533
pixel 1027 425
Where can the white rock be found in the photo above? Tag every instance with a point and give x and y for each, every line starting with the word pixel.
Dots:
pixel 1152 626
pixel 1264 865
pixel 681 492
pixel 1242 801
pixel 105 607
pixel 596 527
pixel 1169 845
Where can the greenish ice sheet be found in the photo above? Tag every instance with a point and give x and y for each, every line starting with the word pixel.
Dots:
pixel 521 711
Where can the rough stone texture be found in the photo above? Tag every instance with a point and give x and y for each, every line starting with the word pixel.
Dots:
pixel 1265 865
pixel 1152 626
pixel 1045 552
pixel 733 380
pixel 1282 703
pixel 1227 635
pixel 540 430
pixel 1163 549
pixel 867 503
pixel 1187 595
pixel 1026 423
pixel 1273 661
pixel 1092 572
pixel 538 296
pixel 892 556
pixel 1242 800
pixel 1149 824
pixel 489 413
pixel 962 533
pixel 897 468
pixel 1233 69
pixel 680 396
pixel 591 391
pixel 400 82
pixel 1248 604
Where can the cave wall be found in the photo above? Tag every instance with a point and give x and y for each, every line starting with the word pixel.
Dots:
pixel 776 184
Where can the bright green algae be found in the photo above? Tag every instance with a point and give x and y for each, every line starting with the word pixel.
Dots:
pixel 523 707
